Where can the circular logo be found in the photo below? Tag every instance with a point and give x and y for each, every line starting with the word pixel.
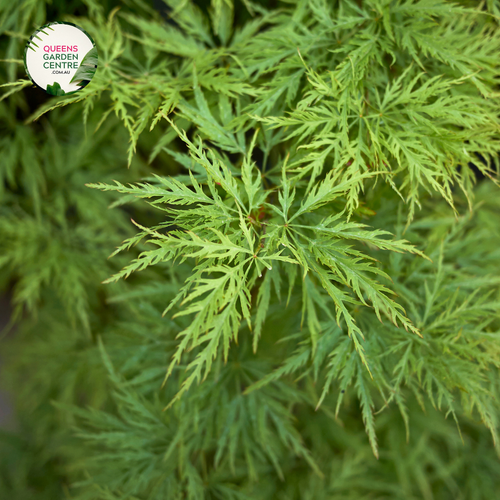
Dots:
pixel 60 58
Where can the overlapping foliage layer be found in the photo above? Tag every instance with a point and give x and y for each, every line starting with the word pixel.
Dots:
pixel 311 300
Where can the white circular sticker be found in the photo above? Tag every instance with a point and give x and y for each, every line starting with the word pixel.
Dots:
pixel 60 58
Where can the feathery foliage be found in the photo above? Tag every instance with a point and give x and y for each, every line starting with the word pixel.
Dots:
pixel 304 297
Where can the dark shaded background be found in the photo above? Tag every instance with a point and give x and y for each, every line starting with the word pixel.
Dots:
pixel 6 411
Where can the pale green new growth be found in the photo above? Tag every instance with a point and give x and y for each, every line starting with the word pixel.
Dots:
pixel 305 274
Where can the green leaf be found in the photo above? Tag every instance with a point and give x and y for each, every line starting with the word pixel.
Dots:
pixel 87 68
pixel 55 89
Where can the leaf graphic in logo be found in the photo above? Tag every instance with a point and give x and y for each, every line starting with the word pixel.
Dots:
pixel 55 89
pixel 87 68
